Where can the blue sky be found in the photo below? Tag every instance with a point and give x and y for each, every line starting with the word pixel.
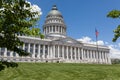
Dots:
pixel 83 16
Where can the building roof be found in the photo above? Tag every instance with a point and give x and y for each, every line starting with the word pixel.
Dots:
pixel 54 12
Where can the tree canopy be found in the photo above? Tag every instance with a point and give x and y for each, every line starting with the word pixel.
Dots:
pixel 16 16
pixel 115 14
pixel 33 32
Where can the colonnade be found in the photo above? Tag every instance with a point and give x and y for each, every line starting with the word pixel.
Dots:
pixel 59 52
pixel 54 29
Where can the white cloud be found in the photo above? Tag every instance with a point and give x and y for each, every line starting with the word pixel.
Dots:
pixel 90 41
pixel 114 49
pixel 85 39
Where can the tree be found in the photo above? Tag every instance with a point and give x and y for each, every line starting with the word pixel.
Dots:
pixel 115 61
pixel 33 32
pixel 115 14
pixel 16 16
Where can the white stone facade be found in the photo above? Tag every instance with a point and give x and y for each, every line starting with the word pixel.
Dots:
pixel 57 47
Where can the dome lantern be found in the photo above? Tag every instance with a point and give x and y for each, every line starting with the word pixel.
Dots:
pixel 54 7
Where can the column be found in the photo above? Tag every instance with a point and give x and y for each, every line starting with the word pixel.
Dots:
pixel 75 52
pixel 55 29
pixel 63 30
pixel 48 56
pixel 97 56
pixel 53 51
pixel 38 56
pixel 52 28
pixel 67 51
pixel 63 51
pixel 28 50
pixel 105 57
pixel 43 56
pixel 87 55
pixel 100 56
pixel 94 56
pixel 82 54
pixel 17 56
pixel 78 53
pixel 23 47
pixel 91 58
pixel 33 54
pixel 5 53
pixel 58 51
pixel 59 29
pixel 71 53
pixel 28 47
pixel 11 55
pixel 46 30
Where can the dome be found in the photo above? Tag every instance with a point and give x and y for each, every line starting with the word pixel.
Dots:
pixel 54 12
pixel 54 24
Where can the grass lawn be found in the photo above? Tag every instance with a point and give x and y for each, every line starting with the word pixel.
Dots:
pixel 62 71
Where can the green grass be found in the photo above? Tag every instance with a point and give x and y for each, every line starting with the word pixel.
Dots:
pixel 62 71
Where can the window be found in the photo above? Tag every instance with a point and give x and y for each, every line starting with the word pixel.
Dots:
pixel 36 48
pixel 54 28
pixel 14 54
pixel 8 53
pixel 31 48
pixel 26 47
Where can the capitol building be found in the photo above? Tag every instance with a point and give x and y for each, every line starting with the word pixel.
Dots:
pixel 57 46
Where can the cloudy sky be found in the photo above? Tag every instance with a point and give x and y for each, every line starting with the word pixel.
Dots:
pixel 82 17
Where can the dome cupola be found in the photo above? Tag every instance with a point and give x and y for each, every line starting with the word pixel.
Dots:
pixel 54 12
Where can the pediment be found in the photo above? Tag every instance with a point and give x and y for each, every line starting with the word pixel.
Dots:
pixel 68 40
